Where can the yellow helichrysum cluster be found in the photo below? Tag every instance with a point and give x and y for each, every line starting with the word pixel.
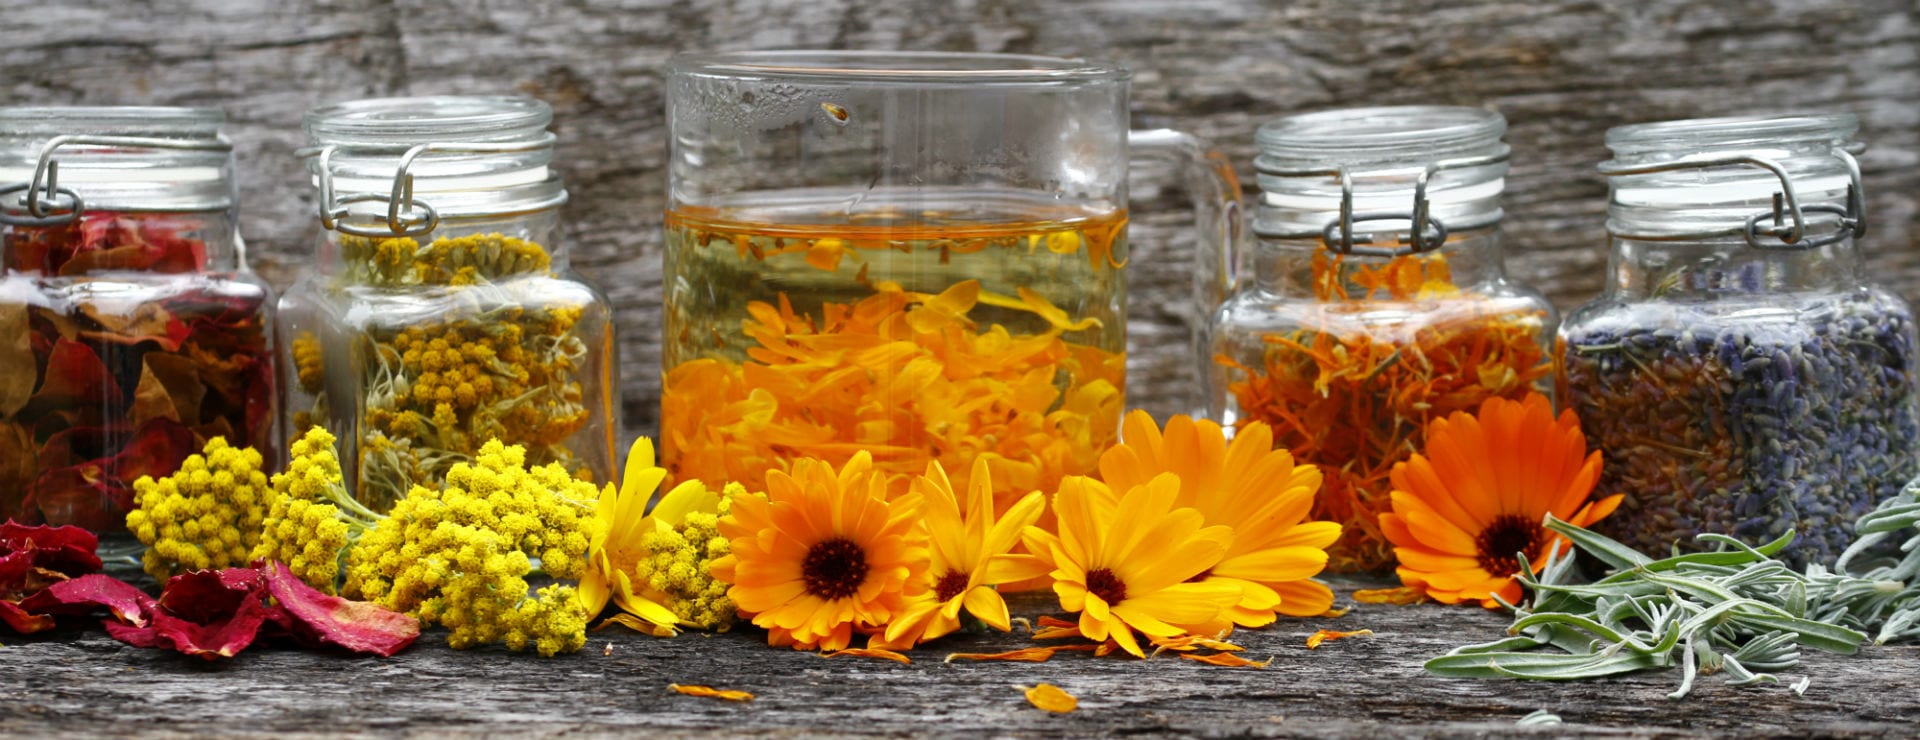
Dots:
pixel 313 520
pixel 463 260
pixel 678 570
pixel 206 515
pixel 460 556
pixel 309 367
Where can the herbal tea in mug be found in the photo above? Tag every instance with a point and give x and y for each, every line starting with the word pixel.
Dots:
pixel 920 255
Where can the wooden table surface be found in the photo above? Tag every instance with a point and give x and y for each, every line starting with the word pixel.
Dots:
pixel 80 683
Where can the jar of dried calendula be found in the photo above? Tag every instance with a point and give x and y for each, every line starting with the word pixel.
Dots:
pixel 1375 300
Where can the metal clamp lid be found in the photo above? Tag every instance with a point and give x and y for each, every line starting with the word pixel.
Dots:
pixel 1426 233
pixel 406 214
pixel 49 204
pixel 1788 215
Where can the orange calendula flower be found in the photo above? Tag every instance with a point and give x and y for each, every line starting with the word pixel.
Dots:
pixel 1465 510
pixel 824 552
pixel 1133 562
pixel 970 556
pixel 1258 491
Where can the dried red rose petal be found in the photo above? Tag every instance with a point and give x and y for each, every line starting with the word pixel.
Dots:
pixel 68 550
pixel 22 621
pixel 207 614
pixel 320 619
pixel 88 593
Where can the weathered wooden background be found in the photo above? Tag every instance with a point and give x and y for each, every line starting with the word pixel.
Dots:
pixel 1562 72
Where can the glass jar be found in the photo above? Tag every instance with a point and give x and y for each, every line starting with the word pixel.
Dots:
pixel 443 313
pixel 1376 302
pixel 131 331
pixel 1739 373
pixel 919 255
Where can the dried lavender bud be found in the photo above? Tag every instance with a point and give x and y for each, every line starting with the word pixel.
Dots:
pixel 1749 422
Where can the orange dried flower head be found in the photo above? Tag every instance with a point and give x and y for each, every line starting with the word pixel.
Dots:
pixel 1274 552
pixel 824 552
pixel 1134 561
pixel 1464 510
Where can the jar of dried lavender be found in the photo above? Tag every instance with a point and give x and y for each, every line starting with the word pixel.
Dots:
pixel 1375 300
pixel 131 331
pixel 1739 373
pixel 443 312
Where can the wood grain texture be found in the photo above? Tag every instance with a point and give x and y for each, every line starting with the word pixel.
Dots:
pixel 77 684
pixel 1562 72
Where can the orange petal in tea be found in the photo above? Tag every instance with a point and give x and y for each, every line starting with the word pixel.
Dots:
pixel 711 692
pixel 1051 698
pixel 1226 659
pixel 870 653
pixel 1314 640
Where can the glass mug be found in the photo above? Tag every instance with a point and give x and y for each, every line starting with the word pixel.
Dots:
pixel 920 255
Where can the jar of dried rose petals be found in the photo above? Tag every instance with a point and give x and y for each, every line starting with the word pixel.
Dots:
pixel 1740 373
pixel 444 312
pixel 1374 300
pixel 131 330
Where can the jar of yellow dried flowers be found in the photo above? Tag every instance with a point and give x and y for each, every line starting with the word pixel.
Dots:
pixel 1376 300
pixel 131 330
pixel 443 314
pixel 1740 372
pixel 918 255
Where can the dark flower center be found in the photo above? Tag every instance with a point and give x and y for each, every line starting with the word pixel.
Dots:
pixel 834 569
pixel 950 585
pixel 1501 543
pixel 1103 583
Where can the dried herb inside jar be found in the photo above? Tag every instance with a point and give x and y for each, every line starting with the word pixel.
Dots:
pixel 119 357
pixel 491 361
pixel 1750 425
pixel 1356 395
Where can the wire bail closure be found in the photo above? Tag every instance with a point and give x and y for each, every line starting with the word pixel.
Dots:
pixel 1425 233
pixel 49 204
pixel 1788 216
pixel 406 215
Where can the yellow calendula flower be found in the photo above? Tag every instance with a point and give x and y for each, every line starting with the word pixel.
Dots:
pixel 1274 552
pixel 970 555
pixel 823 554
pixel 654 556
pixel 1133 561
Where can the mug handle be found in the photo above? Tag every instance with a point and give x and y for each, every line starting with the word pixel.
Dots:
pixel 1209 178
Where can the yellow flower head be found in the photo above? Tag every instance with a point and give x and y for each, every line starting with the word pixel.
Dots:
pixel 1247 485
pixel 1480 494
pixel 634 524
pixel 824 552
pixel 1134 562
pixel 969 556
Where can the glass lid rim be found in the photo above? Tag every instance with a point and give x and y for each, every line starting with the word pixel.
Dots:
pixel 1734 130
pixel 867 65
pixel 153 118
pixel 472 115
pixel 1332 130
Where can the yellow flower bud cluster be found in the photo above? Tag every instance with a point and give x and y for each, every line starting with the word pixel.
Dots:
pixel 309 367
pixel 313 520
pixel 460 556
pixel 462 260
pixel 677 573
pixel 206 515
